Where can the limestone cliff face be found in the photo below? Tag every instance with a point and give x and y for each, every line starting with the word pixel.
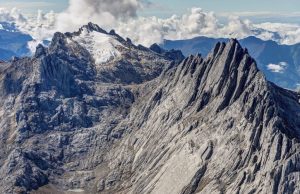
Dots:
pixel 138 121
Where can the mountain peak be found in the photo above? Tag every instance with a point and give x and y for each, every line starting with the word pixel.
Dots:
pixel 156 48
pixel 172 54
pixel 101 45
pixel 230 55
pixel 224 74
pixel 90 27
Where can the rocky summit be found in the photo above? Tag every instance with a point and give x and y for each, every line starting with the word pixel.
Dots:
pixel 94 113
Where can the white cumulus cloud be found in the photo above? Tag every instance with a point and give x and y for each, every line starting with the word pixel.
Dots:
pixel 148 30
pixel 103 12
pixel 278 68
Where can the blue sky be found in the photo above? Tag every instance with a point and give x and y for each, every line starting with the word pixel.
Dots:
pixel 164 8
pixel 30 6
pixel 179 6
pixel 256 10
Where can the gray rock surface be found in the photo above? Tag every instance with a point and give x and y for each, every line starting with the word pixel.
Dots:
pixel 141 123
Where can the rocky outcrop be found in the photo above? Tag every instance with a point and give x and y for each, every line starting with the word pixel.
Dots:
pixel 267 54
pixel 175 55
pixel 206 125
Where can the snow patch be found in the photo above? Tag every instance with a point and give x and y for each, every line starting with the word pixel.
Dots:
pixel 101 46
pixel 76 190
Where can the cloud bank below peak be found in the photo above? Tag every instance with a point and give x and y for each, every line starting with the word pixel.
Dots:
pixel 122 15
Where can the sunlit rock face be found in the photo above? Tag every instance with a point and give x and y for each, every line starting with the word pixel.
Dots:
pixel 93 113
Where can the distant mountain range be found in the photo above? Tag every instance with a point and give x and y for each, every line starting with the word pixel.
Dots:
pixel 13 42
pixel 280 63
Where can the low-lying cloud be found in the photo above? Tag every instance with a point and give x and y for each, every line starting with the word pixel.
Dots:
pixel 277 68
pixel 195 23
pixel 122 15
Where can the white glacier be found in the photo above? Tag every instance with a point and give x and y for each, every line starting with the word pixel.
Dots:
pixel 103 47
